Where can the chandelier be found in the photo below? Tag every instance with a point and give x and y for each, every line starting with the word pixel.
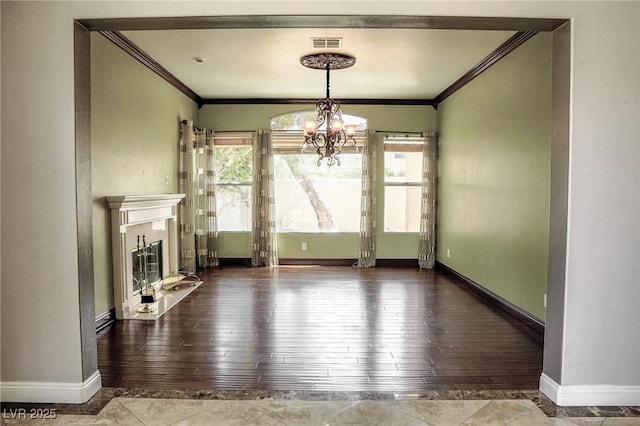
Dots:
pixel 328 140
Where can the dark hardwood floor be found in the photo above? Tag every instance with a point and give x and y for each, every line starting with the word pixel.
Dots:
pixel 324 328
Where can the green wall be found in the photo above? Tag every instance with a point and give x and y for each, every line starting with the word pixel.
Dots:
pixel 329 245
pixel 494 177
pixel 134 143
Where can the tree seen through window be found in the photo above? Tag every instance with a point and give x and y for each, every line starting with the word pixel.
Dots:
pixel 312 198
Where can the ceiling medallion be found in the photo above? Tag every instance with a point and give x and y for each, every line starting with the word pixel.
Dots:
pixel 319 61
pixel 329 140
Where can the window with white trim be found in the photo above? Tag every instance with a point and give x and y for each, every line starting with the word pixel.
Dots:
pixel 402 182
pixel 233 167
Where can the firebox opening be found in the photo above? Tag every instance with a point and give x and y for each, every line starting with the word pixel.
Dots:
pixel 147 265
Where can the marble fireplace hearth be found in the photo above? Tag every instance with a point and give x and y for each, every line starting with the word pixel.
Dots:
pixel 152 218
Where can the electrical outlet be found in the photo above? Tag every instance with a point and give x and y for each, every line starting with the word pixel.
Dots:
pixel 448 253
pixel 304 246
pixel 545 300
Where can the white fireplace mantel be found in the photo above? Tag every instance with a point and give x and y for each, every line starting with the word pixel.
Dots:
pixel 132 216
pixel 136 209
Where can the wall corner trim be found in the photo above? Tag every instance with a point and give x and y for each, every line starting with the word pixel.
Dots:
pixel 48 392
pixel 589 395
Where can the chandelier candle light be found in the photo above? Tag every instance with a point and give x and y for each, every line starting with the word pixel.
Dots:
pixel 328 144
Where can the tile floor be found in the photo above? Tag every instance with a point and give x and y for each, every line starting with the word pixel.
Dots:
pixel 158 411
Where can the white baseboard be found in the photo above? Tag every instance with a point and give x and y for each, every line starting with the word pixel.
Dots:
pixel 69 393
pixel 589 395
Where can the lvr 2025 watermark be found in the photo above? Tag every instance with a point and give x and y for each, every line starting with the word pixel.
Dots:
pixel 29 413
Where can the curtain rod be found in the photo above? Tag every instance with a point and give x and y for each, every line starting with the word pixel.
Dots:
pixel 398 132
pixel 194 127
pixel 221 131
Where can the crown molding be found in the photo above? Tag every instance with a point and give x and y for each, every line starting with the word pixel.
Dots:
pixel 503 50
pixel 132 49
pixel 300 101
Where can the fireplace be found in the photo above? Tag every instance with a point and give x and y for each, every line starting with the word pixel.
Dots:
pixel 144 228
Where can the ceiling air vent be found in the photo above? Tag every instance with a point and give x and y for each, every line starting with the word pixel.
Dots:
pixel 326 42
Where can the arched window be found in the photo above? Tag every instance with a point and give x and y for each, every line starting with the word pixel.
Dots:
pixel 312 198
pixel 292 121
pixel 288 132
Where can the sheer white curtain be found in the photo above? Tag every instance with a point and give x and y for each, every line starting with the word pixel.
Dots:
pixel 197 210
pixel 367 254
pixel 264 250
pixel 427 253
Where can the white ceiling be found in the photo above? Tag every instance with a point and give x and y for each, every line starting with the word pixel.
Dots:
pixel 265 63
